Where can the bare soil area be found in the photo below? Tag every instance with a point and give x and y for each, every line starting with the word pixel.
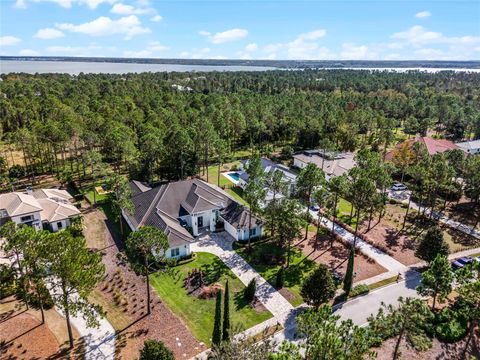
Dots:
pixel 464 211
pixel 438 351
pixel 22 336
pixel 399 243
pixel 335 257
pixel 123 294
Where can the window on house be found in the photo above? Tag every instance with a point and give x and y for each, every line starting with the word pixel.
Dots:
pixel 59 225
pixel 253 232
pixel 26 218
pixel 174 252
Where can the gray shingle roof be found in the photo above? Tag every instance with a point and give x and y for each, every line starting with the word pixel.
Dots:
pixel 161 207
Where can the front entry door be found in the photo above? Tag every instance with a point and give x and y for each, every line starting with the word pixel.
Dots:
pixel 200 222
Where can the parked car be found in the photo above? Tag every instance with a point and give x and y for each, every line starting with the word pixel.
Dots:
pixel 398 187
pixel 460 263
pixel 315 207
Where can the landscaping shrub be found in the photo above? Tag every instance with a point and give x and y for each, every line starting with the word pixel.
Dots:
pixel 249 292
pixel 359 290
pixel 208 292
pixel 155 350
pixel 451 331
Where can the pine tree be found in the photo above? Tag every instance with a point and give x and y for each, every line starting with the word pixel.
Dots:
pixel 280 279
pixel 217 325
pixel 226 314
pixel 437 280
pixel 249 292
pixel 348 280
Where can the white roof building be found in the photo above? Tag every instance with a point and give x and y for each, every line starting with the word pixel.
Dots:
pixel 470 147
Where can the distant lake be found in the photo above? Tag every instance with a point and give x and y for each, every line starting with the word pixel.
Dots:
pixel 74 68
pixel 94 67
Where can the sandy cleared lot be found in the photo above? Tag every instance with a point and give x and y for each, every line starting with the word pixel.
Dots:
pixel 336 257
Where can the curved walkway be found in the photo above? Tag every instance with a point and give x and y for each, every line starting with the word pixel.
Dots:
pixel 220 244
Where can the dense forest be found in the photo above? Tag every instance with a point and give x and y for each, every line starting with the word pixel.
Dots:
pixel 169 125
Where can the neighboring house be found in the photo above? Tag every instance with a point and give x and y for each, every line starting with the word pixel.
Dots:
pixel 184 209
pixel 332 164
pixel 433 146
pixel 470 147
pixel 269 167
pixel 42 208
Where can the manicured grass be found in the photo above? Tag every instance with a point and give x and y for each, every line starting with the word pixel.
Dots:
pixel 381 283
pixel 299 268
pixel 213 175
pixel 198 314
pixel 237 194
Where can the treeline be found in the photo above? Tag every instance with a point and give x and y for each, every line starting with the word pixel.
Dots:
pixel 140 123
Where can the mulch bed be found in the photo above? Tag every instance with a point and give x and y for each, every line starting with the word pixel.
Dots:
pixel 336 257
pixel 127 289
pixel 26 338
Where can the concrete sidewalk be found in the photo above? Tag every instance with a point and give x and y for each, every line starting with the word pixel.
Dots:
pixel 372 252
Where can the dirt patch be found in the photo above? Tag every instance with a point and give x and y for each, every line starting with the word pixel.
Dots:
pixel 12 311
pixel 335 256
pixel 125 294
pixel 287 294
pixel 258 306
pixel 439 350
pixel 464 211
pixel 389 235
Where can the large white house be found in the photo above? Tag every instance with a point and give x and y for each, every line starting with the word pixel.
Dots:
pixel 332 164
pixel 269 167
pixel 184 209
pixel 49 208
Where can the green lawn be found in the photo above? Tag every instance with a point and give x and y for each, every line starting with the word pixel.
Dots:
pixel 198 314
pixel 213 175
pixel 300 266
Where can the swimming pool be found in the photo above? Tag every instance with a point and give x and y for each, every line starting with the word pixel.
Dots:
pixel 233 176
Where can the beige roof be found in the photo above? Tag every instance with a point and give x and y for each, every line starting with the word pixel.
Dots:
pixel 16 203
pixel 56 210
pixel 55 194
pixel 334 167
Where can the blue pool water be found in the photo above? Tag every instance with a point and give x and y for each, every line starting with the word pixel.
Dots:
pixel 235 176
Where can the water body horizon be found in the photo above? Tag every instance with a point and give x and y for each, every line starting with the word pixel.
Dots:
pixel 89 67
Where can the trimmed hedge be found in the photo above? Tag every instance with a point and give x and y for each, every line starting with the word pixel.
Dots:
pixel 358 290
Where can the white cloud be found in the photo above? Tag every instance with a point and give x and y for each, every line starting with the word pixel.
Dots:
pixel 225 36
pixel 137 54
pixel 156 46
pixel 75 50
pixel 123 9
pixel 92 4
pixel 27 52
pixel 313 35
pixel 304 46
pixel 417 35
pixel 423 14
pixel 195 53
pixel 129 26
pixel 156 18
pixel 20 4
pixel 48 33
pixel 356 52
pixel 251 47
pixel 9 40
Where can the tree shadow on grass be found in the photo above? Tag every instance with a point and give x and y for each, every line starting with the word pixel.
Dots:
pixel 214 271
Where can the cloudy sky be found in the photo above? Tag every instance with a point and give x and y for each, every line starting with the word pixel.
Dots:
pixel 254 29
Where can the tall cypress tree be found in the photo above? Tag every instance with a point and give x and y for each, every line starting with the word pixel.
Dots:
pixel 348 280
pixel 217 326
pixel 226 315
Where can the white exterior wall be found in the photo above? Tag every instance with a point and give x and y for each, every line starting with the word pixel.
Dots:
pixel 208 221
pixel 242 183
pixel 184 250
pixel 231 230
pixel 54 225
pixel 36 219
pixel 298 163
pixel 243 234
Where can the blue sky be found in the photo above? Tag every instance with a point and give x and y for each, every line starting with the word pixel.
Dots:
pixel 388 29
